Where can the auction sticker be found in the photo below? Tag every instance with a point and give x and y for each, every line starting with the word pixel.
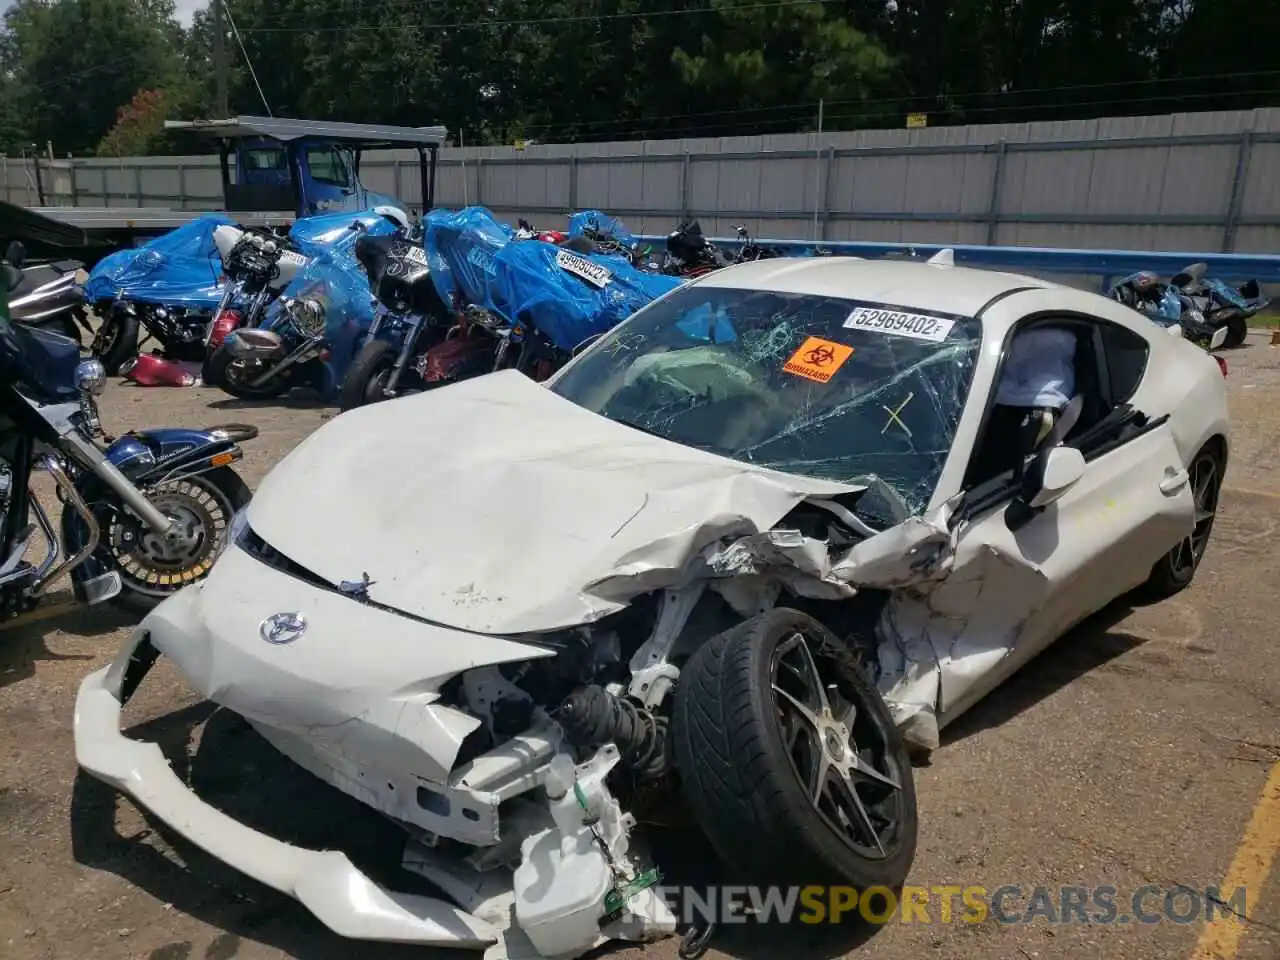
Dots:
pixel 583 268
pixel 818 359
pixel 899 323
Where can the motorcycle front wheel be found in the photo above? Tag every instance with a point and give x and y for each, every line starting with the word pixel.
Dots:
pixel 368 374
pixel 116 341
pixel 234 375
pixel 153 567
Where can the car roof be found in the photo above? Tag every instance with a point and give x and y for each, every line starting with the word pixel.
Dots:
pixel 915 285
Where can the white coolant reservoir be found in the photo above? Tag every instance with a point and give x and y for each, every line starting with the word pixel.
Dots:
pixel 564 875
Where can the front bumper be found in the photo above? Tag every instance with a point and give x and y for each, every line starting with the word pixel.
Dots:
pixel 327 883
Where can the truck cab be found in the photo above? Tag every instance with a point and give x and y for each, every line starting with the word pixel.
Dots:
pixel 309 175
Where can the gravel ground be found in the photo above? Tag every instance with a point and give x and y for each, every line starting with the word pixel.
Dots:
pixel 1132 752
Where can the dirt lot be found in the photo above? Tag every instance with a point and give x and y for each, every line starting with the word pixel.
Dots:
pixel 1134 752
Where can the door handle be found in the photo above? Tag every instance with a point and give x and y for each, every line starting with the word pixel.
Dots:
pixel 1174 480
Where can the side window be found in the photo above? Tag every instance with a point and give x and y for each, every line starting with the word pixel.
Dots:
pixel 1127 355
pixel 264 159
pixel 327 165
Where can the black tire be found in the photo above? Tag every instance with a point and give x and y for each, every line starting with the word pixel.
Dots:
pixel 217 371
pixel 744 787
pixel 1237 331
pixel 1176 569
pixel 121 329
pixel 363 383
pixel 228 486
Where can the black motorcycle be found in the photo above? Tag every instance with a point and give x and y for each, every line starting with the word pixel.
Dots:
pixel 411 319
pixel 142 517
pixel 690 253
pixel 48 295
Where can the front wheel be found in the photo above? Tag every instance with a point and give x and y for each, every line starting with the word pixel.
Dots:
pixel 780 737
pixel 235 375
pixel 368 374
pixel 116 341
pixel 153 567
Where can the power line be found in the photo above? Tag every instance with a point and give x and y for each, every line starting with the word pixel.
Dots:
pixel 650 124
pixel 534 21
pixel 811 107
pixel 245 53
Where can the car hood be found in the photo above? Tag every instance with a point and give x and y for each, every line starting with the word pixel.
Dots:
pixel 496 506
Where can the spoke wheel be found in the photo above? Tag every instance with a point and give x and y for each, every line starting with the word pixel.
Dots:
pixel 790 760
pixel 837 751
pixel 158 565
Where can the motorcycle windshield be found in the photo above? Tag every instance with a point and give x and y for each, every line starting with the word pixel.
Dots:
pixel 460 249
pixel 569 297
pixel 180 268
pixel 314 235
pixel 41 363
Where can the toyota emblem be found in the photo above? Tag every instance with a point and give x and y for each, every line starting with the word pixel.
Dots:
pixel 281 628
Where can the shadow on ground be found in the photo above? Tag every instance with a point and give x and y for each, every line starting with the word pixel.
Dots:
pixel 23 642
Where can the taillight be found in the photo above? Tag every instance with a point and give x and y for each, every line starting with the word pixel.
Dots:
pixel 223 324
pixel 1222 363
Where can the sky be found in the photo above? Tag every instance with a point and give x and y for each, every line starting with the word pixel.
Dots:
pixel 185 9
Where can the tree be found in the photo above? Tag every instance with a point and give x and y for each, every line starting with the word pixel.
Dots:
pixel 138 128
pixel 77 61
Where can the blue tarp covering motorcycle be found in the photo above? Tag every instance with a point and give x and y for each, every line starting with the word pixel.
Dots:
pixel 504 299
pixel 311 333
pixel 567 297
pixel 170 288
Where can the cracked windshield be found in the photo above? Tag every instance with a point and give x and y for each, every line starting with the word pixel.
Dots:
pixel 825 387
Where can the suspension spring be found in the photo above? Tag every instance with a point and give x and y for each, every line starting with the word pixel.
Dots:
pixel 592 717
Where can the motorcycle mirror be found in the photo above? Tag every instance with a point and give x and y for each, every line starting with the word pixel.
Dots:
pixel 16 254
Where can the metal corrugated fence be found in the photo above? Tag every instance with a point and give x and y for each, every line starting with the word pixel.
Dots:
pixel 1194 181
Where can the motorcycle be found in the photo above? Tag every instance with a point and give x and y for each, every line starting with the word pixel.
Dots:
pixel 750 249
pixel 143 515
pixel 48 295
pixel 410 319
pixel 258 266
pixel 527 305
pixel 1167 305
pixel 1222 304
pixel 690 254
pixel 167 290
pixel 310 334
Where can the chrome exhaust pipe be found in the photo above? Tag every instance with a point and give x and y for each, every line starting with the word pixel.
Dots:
pixel 297 355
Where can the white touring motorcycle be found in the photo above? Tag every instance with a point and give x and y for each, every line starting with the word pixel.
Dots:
pixel 689 558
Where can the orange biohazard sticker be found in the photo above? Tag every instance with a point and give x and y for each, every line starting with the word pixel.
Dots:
pixel 818 359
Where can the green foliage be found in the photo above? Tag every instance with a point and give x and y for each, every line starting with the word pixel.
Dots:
pixel 86 74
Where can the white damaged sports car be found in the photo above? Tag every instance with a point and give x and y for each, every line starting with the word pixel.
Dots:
pixel 779 526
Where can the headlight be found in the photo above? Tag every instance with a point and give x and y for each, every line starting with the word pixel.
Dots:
pixel 91 377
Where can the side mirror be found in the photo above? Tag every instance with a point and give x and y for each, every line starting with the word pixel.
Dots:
pixel 16 254
pixel 1049 476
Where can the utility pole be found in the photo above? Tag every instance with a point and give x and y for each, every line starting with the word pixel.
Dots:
pixel 219 59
